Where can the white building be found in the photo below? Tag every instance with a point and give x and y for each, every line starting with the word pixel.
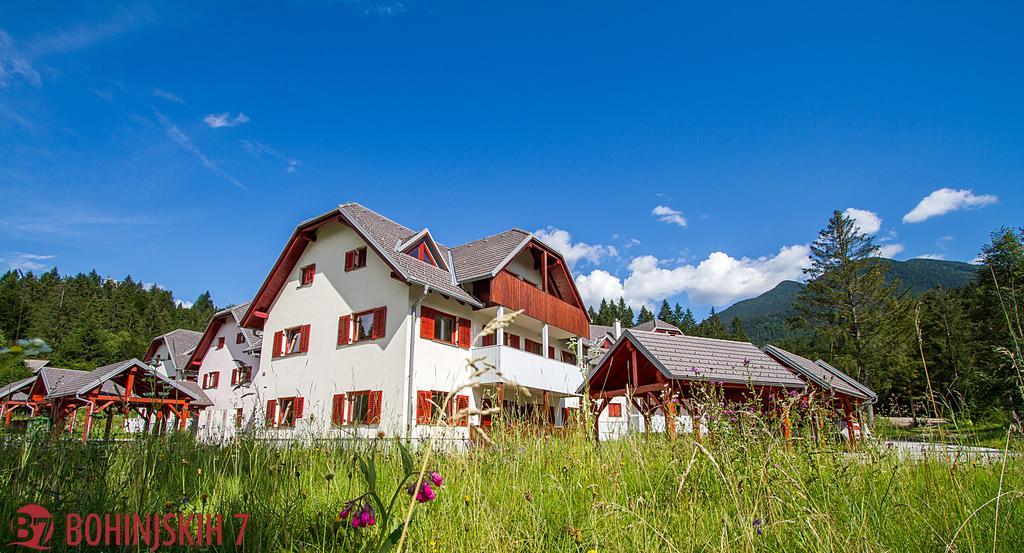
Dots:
pixel 169 353
pixel 366 322
pixel 222 363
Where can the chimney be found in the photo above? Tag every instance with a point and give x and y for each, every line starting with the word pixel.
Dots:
pixel 618 329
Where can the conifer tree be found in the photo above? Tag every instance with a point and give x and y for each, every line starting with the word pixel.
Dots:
pixel 624 314
pixel 736 330
pixel 712 327
pixel 666 314
pixel 687 322
pixel 645 315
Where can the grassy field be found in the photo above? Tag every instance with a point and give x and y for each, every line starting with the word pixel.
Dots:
pixel 751 492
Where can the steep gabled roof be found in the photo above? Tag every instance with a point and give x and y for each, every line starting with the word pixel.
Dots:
pixel 55 379
pixel 483 258
pixel 179 344
pixel 102 377
pixel 814 372
pixel 213 327
pixel 871 395
pixel 705 360
pixel 657 324
pixel 15 387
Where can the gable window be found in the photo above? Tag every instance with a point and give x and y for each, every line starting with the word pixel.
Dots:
pixel 615 410
pixel 307 275
pixel 220 343
pixel 240 338
pixel 355 259
pixel 364 407
pixel 291 341
pixel 422 252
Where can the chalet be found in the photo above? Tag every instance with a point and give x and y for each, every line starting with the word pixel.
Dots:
pixel 129 385
pixel 367 323
pixel 222 364
pixel 653 376
pixel 169 352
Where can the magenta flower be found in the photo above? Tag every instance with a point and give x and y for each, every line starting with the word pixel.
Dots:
pixel 436 479
pixel 361 511
pixel 423 493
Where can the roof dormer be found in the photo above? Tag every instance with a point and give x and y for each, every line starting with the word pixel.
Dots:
pixel 422 246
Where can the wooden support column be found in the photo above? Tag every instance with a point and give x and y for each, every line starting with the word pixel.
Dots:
pixel 670 419
pixel 544 272
pixel 183 418
pixel 787 430
pixel 110 422
pixel 4 413
pixel 7 418
pixel 145 418
pixel 849 423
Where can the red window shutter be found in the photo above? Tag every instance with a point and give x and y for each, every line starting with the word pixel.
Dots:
pixel 465 333
pixel 220 343
pixel 204 380
pixel 551 352
pixel 350 260
pixel 234 376
pixel 427 323
pixel 344 329
pixel 373 412
pixel 299 404
pixel 338 410
pixel 216 380
pixel 304 339
pixel 424 409
pixel 271 412
pixel 278 340
pixel 380 322
pixel 360 257
pixel 513 341
pixel 488 340
pixel 461 404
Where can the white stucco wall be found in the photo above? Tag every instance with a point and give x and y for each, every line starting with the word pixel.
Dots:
pixel 218 421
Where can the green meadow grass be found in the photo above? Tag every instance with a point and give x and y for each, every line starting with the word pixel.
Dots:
pixel 546 493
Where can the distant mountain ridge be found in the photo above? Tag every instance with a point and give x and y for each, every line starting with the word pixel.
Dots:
pixel 764 317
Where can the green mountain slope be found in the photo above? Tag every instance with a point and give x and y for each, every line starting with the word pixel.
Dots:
pixel 764 317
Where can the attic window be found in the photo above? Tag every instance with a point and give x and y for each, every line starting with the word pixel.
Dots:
pixel 422 252
pixel 306 277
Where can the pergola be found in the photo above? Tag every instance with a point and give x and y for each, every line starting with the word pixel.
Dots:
pixel 129 385
pixel 841 391
pixel 656 370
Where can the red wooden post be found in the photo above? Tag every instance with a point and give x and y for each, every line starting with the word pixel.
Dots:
pixel 183 418
pixel 670 425
pixel 7 418
pixel 4 413
pixel 544 270
pixel 849 423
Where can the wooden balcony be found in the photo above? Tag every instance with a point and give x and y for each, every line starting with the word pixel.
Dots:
pixel 513 293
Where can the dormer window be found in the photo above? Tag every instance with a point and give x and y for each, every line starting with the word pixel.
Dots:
pixel 422 252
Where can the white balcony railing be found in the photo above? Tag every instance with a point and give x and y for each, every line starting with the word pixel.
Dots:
pixel 532 371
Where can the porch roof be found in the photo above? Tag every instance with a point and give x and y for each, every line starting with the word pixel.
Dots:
pixel 815 372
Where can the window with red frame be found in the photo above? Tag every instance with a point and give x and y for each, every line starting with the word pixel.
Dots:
pixel 307 275
pixel 364 407
pixel 355 259
pixel 220 343
pixel 240 338
pixel 211 380
pixel 533 347
pixel 422 252
pixel 240 375
pixel 289 410
pixel 568 357
pixel 428 403
pixel 290 341
pixel 615 410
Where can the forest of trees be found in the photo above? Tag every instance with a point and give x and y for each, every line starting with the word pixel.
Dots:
pixel 89 320
pixel 969 339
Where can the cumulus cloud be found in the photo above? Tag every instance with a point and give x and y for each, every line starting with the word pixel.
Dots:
pixel 25 262
pixel 890 250
pixel 945 200
pixel 867 221
pixel 719 279
pixel 666 214
pixel 574 252
pixel 932 256
pixel 218 120
pixel 183 303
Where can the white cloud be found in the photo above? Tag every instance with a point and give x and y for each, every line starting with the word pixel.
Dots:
pixel 218 120
pixel 183 303
pixel 890 250
pixel 562 242
pixel 718 280
pixel 945 200
pixel 27 261
pixel 185 141
pixel 598 285
pixel 170 96
pixel 932 256
pixel 15 64
pixel 867 221
pixel 260 150
pixel 666 214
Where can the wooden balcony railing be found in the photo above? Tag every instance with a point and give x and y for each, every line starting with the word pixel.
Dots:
pixel 513 293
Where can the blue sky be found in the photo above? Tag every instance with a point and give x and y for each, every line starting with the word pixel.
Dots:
pixel 671 150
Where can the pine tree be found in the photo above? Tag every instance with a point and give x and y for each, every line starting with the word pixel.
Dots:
pixel 666 314
pixel 645 315
pixel 847 299
pixel 624 314
pixel 712 327
pixel 592 314
pixel 736 331
pixel 604 314
pixel 687 322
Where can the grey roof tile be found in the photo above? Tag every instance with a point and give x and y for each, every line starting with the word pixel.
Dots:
pixel 812 371
pixel 18 386
pixel 387 234
pixel 180 343
pixel 868 392
pixel 724 361
pixel 657 324
pixel 480 258
pixel 600 331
